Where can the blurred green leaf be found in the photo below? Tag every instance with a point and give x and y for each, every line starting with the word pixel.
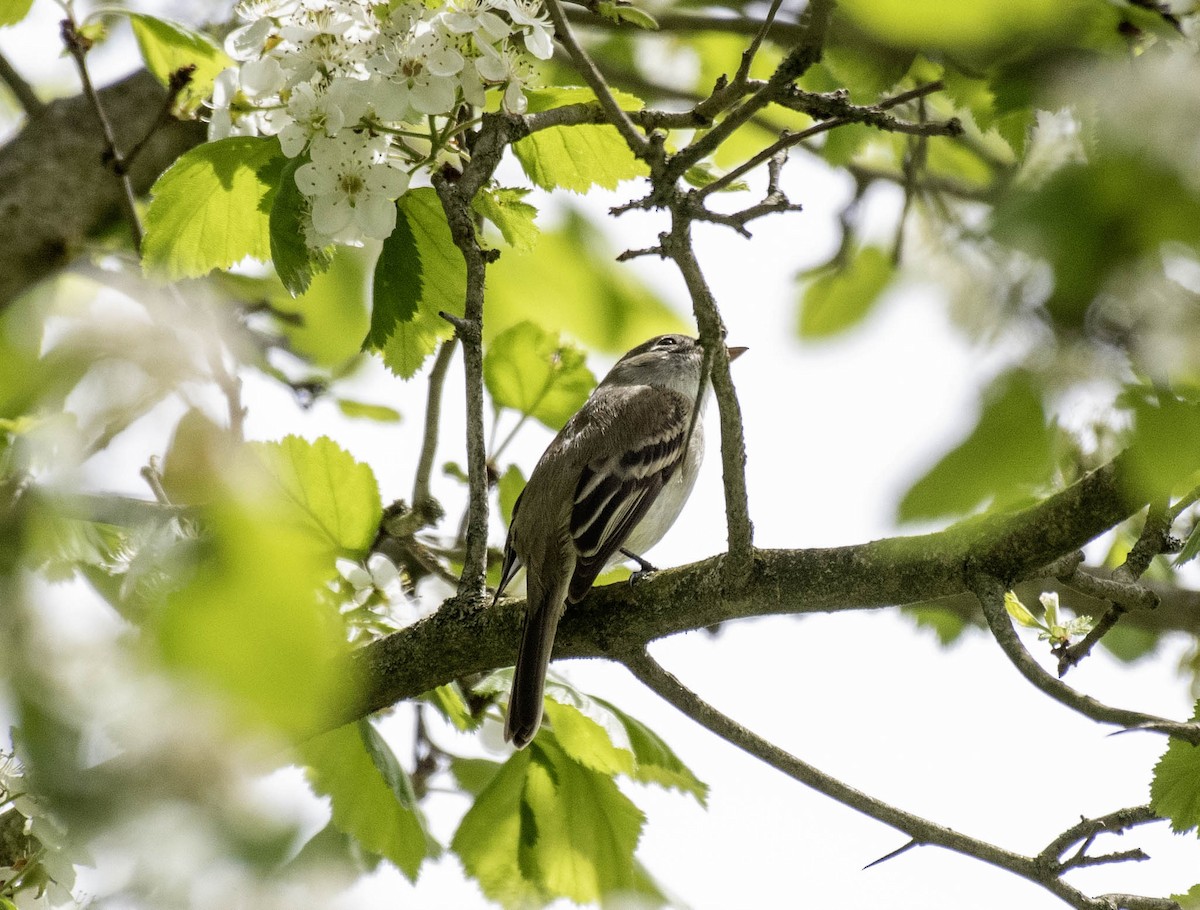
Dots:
pixel 1175 787
pixel 295 262
pixel 419 273
pixel 1006 456
pixel 168 46
pixel 512 482
pixel 947 625
pixel 13 11
pixel 572 285
pixel 332 496
pixel 1091 221
pixel 205 210
pixel 474 774
pixel 1129 643
pixel 537 374
pixel 370 795
pixel 961 26
pixel 333 311
pixel 621 11
pixel 842 297
pixel 576 158
pixel 251 623
pixel 504 206
pixel 1165 451
pixel 380 413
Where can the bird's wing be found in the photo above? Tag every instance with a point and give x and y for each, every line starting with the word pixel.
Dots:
pixel 619 485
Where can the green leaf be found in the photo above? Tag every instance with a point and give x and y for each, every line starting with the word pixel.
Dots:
pixel 512 482
pixel 947 625
pixel 537 374
pixel 488 838
pixel 205 212
pixel 13 11
pixel 474 774
pixel 619 11
pixel 1190 900
pixel 449 701
pixel 168 46
pixel 251 623
pixel 1006 456
pixel 1191 547
pixel 295 262
pixel 1175 787
pixel 504 207
pixel 361 409
pixel 1020 612
pixel 840 299
pixel 332 496
pixel 370 795
pixel 655 761
pixel 576 158
pixel 332 313
pixel 585 740
pixel 1129 643
pixel 578 829
pixel 430 277
pixel 579 290
pixel 396 289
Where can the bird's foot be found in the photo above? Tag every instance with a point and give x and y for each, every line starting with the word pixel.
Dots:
pixel 645 567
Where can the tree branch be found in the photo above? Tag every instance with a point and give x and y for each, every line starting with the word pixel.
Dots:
pixel 991 597
pixel 458 640
pixel 921 830
pixel 78 46
pixel 22 90
pixel 677 245
pixel 433 422
pixel 55 190
pixel 638 143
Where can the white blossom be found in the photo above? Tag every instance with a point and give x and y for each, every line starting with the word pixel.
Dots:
pixel 358 85
pixel 352 187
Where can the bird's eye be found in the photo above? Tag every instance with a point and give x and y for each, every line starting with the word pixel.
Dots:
pixel 666 342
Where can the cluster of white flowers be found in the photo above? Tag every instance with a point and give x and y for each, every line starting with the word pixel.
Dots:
pixel 371 92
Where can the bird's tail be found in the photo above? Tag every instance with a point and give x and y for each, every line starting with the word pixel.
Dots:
pixel 545 608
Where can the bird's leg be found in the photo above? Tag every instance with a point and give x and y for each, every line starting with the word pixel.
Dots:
pixel 644 566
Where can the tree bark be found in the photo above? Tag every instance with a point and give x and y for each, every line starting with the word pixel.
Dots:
pixel 56 190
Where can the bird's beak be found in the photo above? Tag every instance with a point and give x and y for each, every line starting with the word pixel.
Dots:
pixel 735 353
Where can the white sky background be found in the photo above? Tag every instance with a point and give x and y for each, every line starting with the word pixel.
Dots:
pixel 835 433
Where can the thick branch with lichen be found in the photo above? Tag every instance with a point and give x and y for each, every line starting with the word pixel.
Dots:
pixel 619 619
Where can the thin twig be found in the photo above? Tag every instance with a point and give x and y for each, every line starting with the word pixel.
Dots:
pixel 1085 831
pixel 922 831
pixel 678 246
pixel 433 421
pixel 638 143
pixel 1121 592
pixel 22 90
pixel 178 81
pixel 991 597
pixel 77 46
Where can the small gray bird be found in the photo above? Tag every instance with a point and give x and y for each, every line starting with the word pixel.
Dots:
pixel 612 482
